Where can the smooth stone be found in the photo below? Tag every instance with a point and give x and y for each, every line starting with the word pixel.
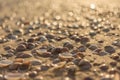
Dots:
pixel 109 49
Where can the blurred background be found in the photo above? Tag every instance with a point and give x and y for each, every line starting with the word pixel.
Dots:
pixel 38 7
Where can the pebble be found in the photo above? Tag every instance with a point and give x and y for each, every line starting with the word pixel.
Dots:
pixel 113 63
pixel 93 47
pixel 25 66
pixel 31 40
pixel 103 53
pixel 104 67
pixel 45 67
pixel 21 47
pixel 12 36
pixel 88 78
pixel 23 55
pixel 33 74
pixel 39 77
pixel 112 71
pixel 4 63
pixel 56 50
pixel 50 36
pixel 42 38
pixel 46 54
pixel 9 55
pixel 71 71
pixel 109 49
pixel 18 32
pixel 115 56
pixel 82 48
pixel 105 29
pixel 106 77
pixel 68 45
pixel 92 33
pixel 14 75
pixel 65 49
pixel 3 78
pixel 116 43
pixel 36 62
pixel 14 66
pixel 84 40
pixel 7 47
pixel 65 56
pixel 84 64
pixel 30 46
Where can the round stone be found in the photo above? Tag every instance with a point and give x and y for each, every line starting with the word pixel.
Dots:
pixel 84 64
pixel 56 50
pixel 104 67
pixel 93 47
pixel 68 45
pixel 65 56
pixel 30 45
pixel 7 47
pixel 21 47
pixel 102 53
pixel 23 55
pixel 35 62
pixel 88 78
pixel 116 43
pixel 25 65
pixel 82 48
pixel 84 40
pixel 33 74
pixel 109 49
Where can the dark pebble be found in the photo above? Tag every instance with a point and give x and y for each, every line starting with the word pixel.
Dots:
pixel 21 47
pixel 30 46
pixel 45 54
pixel 25 65
pixel 65 49
pixel 109 49
pixel 106 30
pixel 92 33
pixel 84 65
pixel 100 41
pixel 33 74
pixel 31 40
pixel 102 53
pixel 112 71
pixel 23 55
pixel 88 78
pixel 84 40
pixel 18 32
pixel 56 50
pixel 7 47
pixel 50 36
pixel 116 43
pixel 36 62
pixel 42 39
pixel 113 64
pixel 82 48
pixel 104 67
pixel 68 45
pixel 115 56
pixel 71 71
pixel 14 66
pixel 44 67
pixel 9 55
pixel 93 47
pixel 12 36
